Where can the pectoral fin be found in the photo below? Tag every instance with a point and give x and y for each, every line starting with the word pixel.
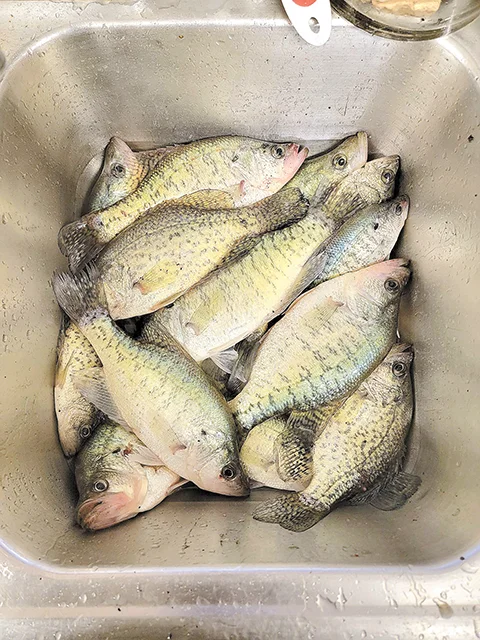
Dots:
pixel 391 492
pixel 205 313
pixel 160 275
pixel 93 386
pixel 61 372
pixel 143 455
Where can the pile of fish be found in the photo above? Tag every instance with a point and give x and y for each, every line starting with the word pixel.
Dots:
pixel 231 321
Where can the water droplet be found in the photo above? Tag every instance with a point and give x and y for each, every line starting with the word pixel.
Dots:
pixel 444 608
pixel 476 627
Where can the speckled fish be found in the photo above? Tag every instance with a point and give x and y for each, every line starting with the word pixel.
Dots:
pixel 157 390
pixel 358 455
pixel 236 300
pixel 122 171
pixel 365 238
pixel 258 458
pixel 167 251
pixel 76 417
pixel 112 485
pixel 325 345
pixel 245 169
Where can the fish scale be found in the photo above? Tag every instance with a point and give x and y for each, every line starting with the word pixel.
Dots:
pixel 200 165
pixel 358 453
pixel 165 253
pixel 157 390
pixel 326 344
pixel 73 411
pixel 242 296
pixel 360 443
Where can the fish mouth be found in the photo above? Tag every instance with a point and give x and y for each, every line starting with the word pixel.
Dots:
pixel 111 508
pixel 393 162
pixel 296 154
pixel 299 150
pixel 95 514
pixel 295 149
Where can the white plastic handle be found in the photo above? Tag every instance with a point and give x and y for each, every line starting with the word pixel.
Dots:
pixel 311 18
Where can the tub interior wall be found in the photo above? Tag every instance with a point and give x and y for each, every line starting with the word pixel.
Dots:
pixel 152 85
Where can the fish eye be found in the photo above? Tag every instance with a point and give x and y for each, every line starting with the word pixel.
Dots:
pixel 100 485
pixel 399 369
pixel 398 209
pixel 85 432
pixel 388 176
pixel 391 285
pixel 340 161
pixel 277 152
pixel 375 226
pixel 229 472
pixel 118 170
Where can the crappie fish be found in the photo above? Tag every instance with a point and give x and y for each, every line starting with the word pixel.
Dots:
pixel 113 485
pixel 257 456
pixel 246 170
pixel 169 250
pixel 122 171
pixel 327 343
pixel 234 301
pixel 157 390
pixel 319 175
pixel 359 452
pixel 76 417
pixel 372 186
pixel 365 238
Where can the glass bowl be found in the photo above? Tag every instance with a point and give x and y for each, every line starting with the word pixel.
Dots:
pixel 408 19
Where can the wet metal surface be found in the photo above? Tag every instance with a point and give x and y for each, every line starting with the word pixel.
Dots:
pixel 199 566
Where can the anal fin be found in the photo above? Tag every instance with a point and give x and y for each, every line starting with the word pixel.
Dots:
pixel 390 493
pixel 395 494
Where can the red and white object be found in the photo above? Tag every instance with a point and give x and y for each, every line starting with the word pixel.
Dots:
pixel 311 18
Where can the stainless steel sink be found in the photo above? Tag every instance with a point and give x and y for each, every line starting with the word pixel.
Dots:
pixel 198 566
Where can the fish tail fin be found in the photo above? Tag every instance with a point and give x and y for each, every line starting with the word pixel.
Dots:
pixel 78 243
pixel 281 209
pixel 290 512
pixel 81 296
